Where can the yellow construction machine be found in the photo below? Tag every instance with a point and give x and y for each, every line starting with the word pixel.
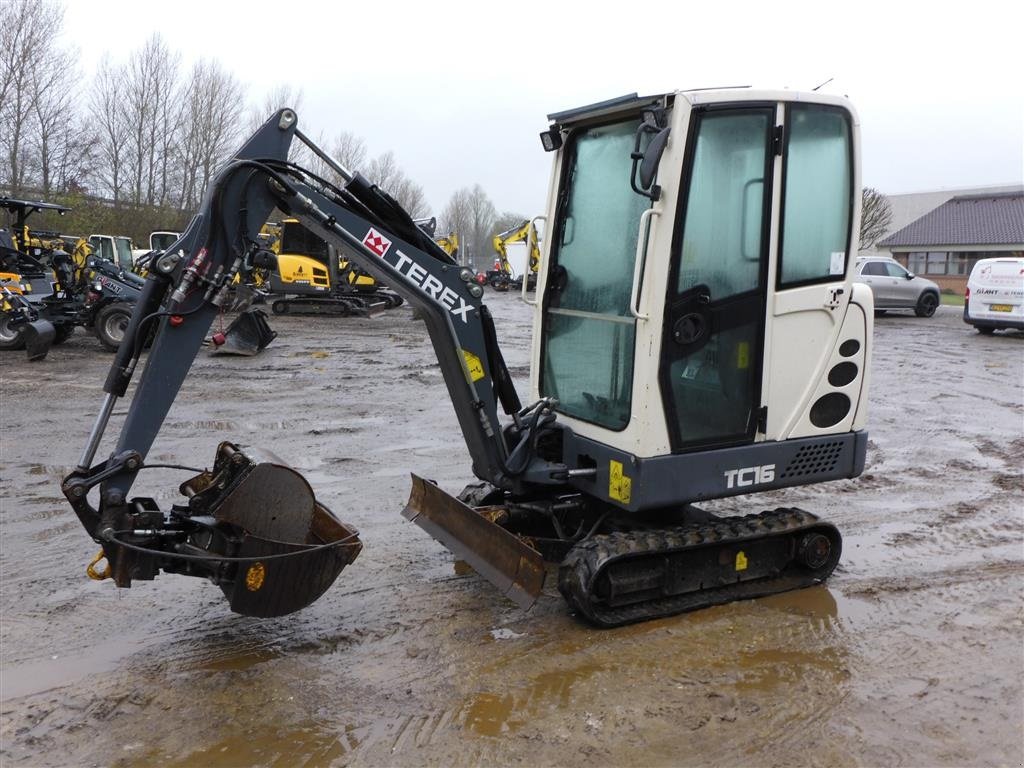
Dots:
pixel 504 275
pixel 312 277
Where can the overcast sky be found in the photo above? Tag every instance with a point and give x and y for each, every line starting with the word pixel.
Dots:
pixel 460 90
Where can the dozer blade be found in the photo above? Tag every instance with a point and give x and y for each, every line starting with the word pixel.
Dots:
pixel 39 337
pixel 514 568
pixel 248 335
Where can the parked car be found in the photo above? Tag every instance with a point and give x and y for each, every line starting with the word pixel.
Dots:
pixel 995 295
pixel 896 288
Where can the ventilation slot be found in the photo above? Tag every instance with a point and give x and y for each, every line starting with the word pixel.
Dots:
pixel 820 459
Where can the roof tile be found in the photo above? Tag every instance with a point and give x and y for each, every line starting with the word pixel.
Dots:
pixel 967 220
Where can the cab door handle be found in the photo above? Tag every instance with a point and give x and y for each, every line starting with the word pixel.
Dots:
pixel 640 260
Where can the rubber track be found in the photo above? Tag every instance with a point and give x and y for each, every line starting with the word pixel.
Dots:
pixel 584 562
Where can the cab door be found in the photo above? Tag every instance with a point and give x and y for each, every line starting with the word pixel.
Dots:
pixel 710 370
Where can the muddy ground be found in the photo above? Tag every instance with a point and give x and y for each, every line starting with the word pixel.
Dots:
pixel 912 655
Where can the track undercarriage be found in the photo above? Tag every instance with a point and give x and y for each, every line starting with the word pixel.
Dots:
pixel 616 569
pixel 347 304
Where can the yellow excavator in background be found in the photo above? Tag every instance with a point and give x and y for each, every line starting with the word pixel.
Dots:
pixel 503 276
pixel 449 244
pixel 313 277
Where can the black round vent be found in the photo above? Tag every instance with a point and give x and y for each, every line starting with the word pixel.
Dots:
pixel 849 348
pixel 842 374
pixel 830 409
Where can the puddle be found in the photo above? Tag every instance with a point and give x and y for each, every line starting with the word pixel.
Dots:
pixel 32 677
pixel 311 746
pixel 238 661
pixel 493 714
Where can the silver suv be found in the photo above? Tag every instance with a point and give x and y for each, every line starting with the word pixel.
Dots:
pixel 896 288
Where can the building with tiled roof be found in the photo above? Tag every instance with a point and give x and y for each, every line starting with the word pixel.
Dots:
pixel 945 243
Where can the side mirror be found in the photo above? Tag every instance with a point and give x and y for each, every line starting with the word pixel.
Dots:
pixel 911 275
pixel 647 161
pixel 652 156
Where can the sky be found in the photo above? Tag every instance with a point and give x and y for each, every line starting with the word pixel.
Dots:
pixel 459 91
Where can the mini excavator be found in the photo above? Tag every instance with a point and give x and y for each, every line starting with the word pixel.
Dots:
pixel 503 276
pixel 312 278
pixel 697 335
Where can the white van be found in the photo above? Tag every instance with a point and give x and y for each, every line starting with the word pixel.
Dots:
pixel 995 295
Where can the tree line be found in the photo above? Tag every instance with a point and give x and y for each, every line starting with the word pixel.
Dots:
pixel 145 136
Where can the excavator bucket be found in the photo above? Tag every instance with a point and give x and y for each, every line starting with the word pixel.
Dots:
pixel 39 336
pixel 248 335
pixel 292 547
pixel 515 568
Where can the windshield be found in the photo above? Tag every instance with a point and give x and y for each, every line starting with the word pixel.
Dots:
pixel 296 239
pixel 161 241
pixel 124 252
pixel 588 334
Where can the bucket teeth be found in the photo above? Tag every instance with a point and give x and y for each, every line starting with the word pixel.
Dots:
pixel 516 569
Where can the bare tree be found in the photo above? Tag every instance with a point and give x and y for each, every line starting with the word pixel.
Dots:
pixel 107 116
pixel 482 217
pixel 411 197
pixel 508 219
pixel 471 215
pixel 875 216
pixel 349 151
pixel 150 85
pixel 455 220
pixel 385 173
pixel 54 139
pixel 214 100
pixel 28 32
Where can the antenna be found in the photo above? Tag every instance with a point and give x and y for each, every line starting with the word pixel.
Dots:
pixel 824 84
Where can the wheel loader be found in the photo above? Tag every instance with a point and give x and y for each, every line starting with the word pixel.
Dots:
pixel 64 281
pixel 697 336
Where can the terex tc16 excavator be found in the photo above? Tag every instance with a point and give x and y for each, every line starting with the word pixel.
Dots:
pixel 697 335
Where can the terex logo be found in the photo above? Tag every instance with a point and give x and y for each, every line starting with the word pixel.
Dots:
pixel 431 286
pixel 376 242
pixel 741 478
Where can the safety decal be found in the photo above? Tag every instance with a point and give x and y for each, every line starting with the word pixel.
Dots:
pixel 476 368
pixel 743 355
pixel 620 486
pixel 376 242
pixel 741 561
pixel 254 577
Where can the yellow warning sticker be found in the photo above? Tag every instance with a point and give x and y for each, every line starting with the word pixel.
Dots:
pixel 254 577
pixel 743 355
pixel 741 561
pixel 476 368
pixel 620 486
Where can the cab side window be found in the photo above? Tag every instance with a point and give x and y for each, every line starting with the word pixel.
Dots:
pixel 895 270
pixel 873 268
pixel 817 195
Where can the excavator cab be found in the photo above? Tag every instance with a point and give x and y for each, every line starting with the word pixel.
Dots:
pixel 697 335
pixel 710 309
